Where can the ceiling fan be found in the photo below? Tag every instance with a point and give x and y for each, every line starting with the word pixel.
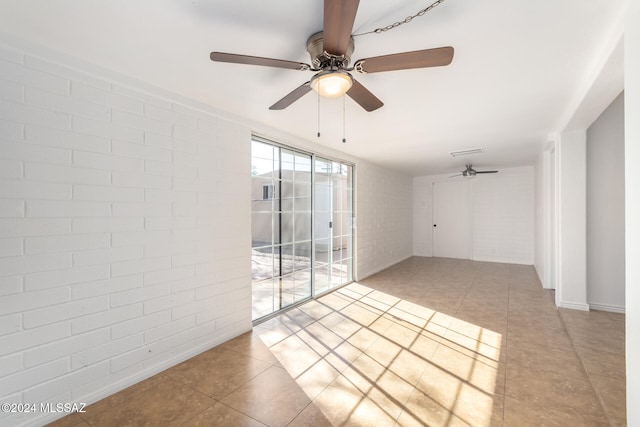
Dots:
pixel 470 172
pixel 330 52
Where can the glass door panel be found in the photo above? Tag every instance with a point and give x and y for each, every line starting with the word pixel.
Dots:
pixel 302 226
pixel 281 227
pixel 333 224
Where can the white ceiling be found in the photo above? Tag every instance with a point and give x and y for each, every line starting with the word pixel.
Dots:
pixel 518 68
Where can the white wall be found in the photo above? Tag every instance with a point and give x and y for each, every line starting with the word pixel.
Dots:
pixel 545 184
pixel 571 183
pixel 572 220
pixel 503 220
pixel 423 214
pixel 384 222
pixel 503 216
pixel 540 209
pixel 605 209
pixel 125 229
pixel 124 233
pixel 632 210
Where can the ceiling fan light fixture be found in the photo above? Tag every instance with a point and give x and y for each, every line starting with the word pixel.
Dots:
pixel 332 83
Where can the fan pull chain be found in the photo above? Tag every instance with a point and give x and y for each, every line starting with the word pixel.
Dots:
pixel 344 119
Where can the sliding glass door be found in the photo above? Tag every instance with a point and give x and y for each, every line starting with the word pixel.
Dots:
pixel 333 260
pixel 298 251
pixel 281 227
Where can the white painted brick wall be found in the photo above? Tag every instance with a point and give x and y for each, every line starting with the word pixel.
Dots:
pixel 422 214
pixel 503 215
pixel 65 139
pixel 71 276
pixel 14 148
pixel 99 96
pixel 113 261
pixel 384 222
pixel 125 232
pixel 28 76
pixel 11 247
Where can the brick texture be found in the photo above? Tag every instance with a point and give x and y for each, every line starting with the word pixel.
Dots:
pixel 384 222
pixel 502 207
pixel 125 225
pixel 105 226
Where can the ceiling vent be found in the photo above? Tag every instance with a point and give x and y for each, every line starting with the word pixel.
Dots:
pixel 466 152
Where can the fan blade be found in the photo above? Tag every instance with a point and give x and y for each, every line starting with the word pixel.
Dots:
pixel 339 16
pixel 486 172
pixel 452 176
pixel 362 96
pixel 257 60
pixel 403 61
pixel 292 97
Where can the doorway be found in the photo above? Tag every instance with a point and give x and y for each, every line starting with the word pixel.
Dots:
pixel 301 226
pixel 451 220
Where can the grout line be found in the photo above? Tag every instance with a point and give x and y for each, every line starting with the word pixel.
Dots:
pixel 506 349
pixel 603 406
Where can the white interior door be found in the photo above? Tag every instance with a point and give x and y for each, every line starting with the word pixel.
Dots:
pixel 451 220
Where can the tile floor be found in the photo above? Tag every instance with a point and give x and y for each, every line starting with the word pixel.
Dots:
pixel 427 342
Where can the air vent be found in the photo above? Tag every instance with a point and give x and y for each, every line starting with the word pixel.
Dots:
pixel 466 152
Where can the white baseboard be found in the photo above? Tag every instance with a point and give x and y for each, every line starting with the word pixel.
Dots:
pixel 500 260
pixel 574 305
pixel 540 278
pixel 142 375
pixel 378 269
pixel 607 307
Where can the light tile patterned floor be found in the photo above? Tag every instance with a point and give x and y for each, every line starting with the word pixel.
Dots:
pixel 427 342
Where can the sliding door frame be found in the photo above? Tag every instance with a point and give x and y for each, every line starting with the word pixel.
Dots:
pixel 352 218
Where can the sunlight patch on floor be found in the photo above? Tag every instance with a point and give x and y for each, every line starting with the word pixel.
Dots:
pixel 369 358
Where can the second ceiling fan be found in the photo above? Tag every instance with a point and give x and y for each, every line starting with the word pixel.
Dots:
pixel 470 172
pixel 330 51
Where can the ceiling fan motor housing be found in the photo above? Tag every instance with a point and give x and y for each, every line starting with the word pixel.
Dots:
pixel 320 59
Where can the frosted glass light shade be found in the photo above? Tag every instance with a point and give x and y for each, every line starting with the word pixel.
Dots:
pixel 331 84
pixel 468 175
